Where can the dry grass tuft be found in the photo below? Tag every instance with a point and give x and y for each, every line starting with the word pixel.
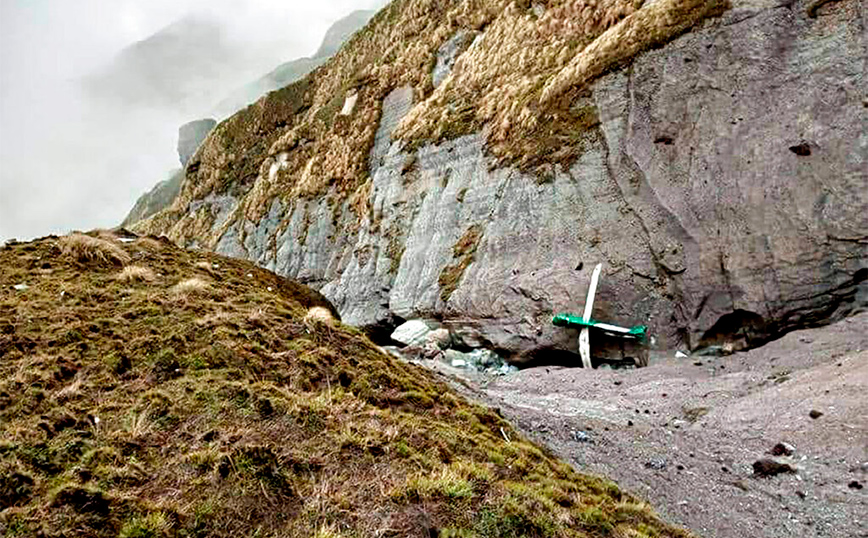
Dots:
pixel 150 244
pixel 191 286
pixel 86 249
pixel 136 273
pixel 319 317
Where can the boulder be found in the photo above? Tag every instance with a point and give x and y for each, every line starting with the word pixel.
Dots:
pixel 439 338
pixel 411 333
pixel 768 467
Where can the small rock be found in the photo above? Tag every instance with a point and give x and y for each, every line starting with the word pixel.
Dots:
pixel 21 287
pixel 656 464
pixel 855 484
pixel 617 383
pixel 742 485
pixel 782 449
pixel 814 414
pixel 680 355
pixel 801 494
pixel 507 369
pixel 485 358
pixel 629 423
pixel 768 467
pixel 697 363
pixel 582 437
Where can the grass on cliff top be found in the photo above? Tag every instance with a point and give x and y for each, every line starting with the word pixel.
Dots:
pixel 523 83
pixel 185 394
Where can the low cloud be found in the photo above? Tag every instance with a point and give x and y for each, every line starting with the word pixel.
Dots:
pixel 73 159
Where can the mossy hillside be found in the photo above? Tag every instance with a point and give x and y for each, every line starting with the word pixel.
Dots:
pixel 199 396
pixel 524 83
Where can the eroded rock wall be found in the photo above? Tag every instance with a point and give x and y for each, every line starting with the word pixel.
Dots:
pixel 723 189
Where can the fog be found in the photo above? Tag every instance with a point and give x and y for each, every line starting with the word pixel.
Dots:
pixel 84 131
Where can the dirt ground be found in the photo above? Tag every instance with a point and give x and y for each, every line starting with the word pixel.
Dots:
pixel 684 433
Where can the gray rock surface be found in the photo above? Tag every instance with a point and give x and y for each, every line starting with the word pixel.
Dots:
pixel 190 137
pixel 712 229
pixel 449 52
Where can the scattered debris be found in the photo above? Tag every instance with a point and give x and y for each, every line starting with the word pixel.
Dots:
pixel 585 323
pixel 782 449
pixel 855 484
pixel 768 467
pixel 814 414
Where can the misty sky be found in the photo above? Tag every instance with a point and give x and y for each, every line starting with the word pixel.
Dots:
pixel 69 163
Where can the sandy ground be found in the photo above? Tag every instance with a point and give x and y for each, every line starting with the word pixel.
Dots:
pixel 684 433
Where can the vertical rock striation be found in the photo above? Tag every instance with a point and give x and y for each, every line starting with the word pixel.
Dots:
pixel 722 183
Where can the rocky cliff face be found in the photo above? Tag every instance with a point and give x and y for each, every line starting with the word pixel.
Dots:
pixel 190 137
pixel 718 174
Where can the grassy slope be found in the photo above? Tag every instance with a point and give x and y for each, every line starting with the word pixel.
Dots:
pixel 133 405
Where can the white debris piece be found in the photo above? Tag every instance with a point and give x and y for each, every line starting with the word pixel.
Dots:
pixel 459 363
pixel 21 287
pixel 350 104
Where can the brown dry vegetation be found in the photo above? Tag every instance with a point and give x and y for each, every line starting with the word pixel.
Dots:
pixel 463 254
pixel 523 83
pixel 88 249
pixel 136 273
pixel 125 412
